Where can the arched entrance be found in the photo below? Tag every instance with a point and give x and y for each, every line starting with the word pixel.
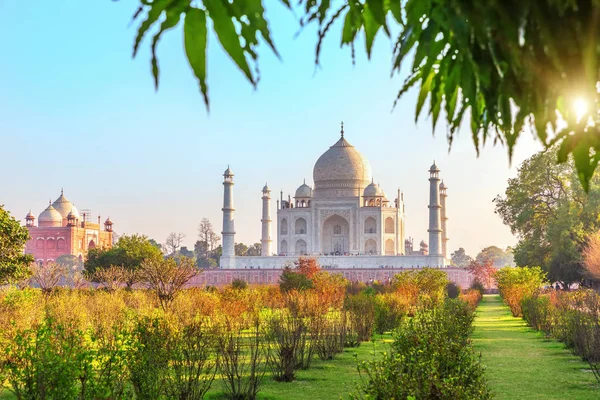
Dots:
pixel 335 235
pixel 371 246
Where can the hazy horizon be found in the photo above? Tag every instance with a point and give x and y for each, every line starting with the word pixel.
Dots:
pixel 76 112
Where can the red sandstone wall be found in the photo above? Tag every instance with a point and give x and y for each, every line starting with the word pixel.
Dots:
pixel 221 277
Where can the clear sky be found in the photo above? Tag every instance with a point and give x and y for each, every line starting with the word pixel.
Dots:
pixel 77 112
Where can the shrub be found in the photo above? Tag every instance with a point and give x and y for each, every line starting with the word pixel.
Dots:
pixel 472 297
pixel 477 285
pixel 192 362
pixel 327 335
pixel 430 358
pixel 389 311
pixel 361 315
pixel 537 312
pixel 518 283
pixel 290 280
pixel 150 359
pixel 242 359
pixel 452 290
pixel 425 285
pixel 239 284
pixel 283 333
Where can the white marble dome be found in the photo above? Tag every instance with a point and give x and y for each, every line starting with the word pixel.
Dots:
pixel 64 207
pixel 304 191
pixel 373 190
pixel 341 167
pixel 50 217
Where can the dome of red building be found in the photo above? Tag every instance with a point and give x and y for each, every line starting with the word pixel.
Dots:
pixel 64 206
pixel 50 217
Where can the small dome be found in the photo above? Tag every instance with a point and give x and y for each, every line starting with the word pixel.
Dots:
pixel 373 190
pixel 443 186
pixel 434 168
pixel 304 191
pixel 266 188
pixel 30 215
pixel 71 215
pixel 108 221
pixel 228 172
pixel 50 217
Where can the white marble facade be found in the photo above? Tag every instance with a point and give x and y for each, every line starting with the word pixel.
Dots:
pixel 346 217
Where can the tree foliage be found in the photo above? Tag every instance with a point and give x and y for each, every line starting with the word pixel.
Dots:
pixel 14 264
pixel 503 67
pixel 496 256
pixel 547 209
pixel 460 258
pixel 129 253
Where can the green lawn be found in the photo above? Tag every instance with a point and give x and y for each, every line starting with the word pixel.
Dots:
pixel 522 364
pixel 324 380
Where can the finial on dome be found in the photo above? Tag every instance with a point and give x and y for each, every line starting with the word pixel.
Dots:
pixel 304 181
pixel 342 130
pixel 62 191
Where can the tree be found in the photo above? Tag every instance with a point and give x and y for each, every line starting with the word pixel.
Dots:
pixel 207 234
pixel 166 277
pixel 496 256
pixel 14 265
pixel 185 252
pixel 155 244
pixel 207 252
pixel 483 271
pixel 240 249
pixel 129 253
pixel 255 250
pixel 47 277
pixel 513 66
pixel 546 207
pixel 460 258
pixel 173 243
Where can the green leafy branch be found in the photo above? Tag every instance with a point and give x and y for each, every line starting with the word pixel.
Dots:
pixel 506 67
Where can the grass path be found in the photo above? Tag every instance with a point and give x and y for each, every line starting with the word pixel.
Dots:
pixel 522 364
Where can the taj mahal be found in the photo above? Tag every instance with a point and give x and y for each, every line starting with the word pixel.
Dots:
pixel 345 221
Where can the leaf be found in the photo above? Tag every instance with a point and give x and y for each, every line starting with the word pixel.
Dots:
pixel 349 30
pixel 195 38
pixel 255 12
pixel 394 7
pixel 425 88
pixel 156 10
pixel 227 35
pixel 173 16
pixel 377 9
pixel 371 28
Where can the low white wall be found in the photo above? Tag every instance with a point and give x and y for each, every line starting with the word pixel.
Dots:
pixel 342 262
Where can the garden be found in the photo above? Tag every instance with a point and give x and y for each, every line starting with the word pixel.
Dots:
pixel 314 335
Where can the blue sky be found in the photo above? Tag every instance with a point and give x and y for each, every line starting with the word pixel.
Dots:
pixel 77 112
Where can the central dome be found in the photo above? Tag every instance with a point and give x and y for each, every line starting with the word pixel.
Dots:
pixel 341 171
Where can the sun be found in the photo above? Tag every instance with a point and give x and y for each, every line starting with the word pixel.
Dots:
pixel 581 108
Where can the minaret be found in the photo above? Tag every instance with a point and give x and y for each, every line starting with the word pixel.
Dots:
pixel 228 256
pixel 444 218
pixel 266 222
pixel 435 231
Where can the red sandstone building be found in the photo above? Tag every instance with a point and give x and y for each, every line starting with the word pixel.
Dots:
pixel 62 230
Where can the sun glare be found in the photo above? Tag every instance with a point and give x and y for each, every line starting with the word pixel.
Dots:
pixel 581 108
